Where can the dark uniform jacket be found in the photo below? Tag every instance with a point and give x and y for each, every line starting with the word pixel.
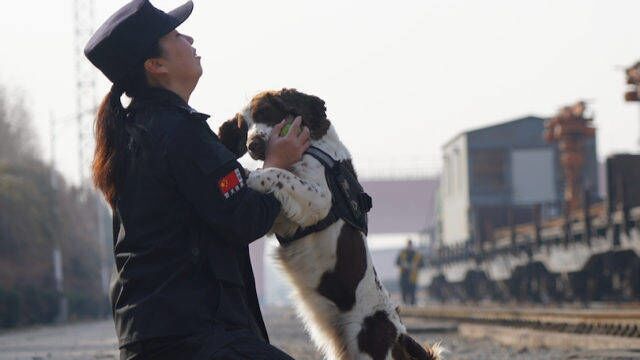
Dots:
pixel 182 224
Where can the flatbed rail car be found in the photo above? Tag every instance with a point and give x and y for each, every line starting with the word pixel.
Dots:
pixel 590 255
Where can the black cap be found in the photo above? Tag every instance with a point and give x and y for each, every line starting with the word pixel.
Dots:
pixel 128 36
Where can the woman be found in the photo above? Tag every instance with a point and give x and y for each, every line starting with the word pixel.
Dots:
pixel 182 286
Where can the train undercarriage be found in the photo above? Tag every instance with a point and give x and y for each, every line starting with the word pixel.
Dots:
pixel 574 265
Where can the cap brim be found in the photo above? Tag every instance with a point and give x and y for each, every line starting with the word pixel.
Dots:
pixel 181 13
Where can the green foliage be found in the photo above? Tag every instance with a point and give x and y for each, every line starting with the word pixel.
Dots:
pixel 38 305
pixel 35 218
pixel 9 308
pixel 84 305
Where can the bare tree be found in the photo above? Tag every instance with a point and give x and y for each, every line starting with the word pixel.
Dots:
pixel 17 138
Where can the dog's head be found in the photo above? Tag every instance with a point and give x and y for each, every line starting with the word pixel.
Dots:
pixel 250 130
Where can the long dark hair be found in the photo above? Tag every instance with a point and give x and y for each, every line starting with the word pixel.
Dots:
pixel 109 127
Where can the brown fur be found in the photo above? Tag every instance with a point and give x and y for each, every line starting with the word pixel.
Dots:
pixel 376 336
pixel 340 285
pixel 233 134
pixel 258 148
pixel 406 348
pixel 331 331
pixel 270 107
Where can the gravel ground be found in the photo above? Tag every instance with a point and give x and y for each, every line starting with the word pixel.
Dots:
pixel 96 340
pixel 287 333
pixel 78 341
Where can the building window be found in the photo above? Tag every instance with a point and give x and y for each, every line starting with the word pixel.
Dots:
pixel 446 175
pixel 449 166
pixel 459 167
pixel 488 168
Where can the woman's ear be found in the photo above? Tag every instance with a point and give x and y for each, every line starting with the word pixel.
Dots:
pixel 233 134
pixel 155 66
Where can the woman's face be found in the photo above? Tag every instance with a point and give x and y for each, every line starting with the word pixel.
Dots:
pixel 180 60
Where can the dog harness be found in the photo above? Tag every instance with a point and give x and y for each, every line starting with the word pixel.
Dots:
pixel 349 202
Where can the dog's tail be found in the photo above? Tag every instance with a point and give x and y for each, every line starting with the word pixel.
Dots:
pixel 434 352
pixel 406 348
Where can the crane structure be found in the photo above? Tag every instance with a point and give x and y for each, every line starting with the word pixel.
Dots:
pixel 570 128
pixel 633 79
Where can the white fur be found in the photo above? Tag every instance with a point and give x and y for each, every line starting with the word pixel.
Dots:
pixel 307 259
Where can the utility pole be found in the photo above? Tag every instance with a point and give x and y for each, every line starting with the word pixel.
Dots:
pixel 63 306
pixel 104 268
pixel 83 11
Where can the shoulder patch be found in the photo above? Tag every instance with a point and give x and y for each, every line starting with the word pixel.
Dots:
pixel 231 183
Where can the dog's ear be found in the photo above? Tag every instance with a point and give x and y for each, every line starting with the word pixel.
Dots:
pixel 311 108
pixel 268 108
pixel 406 348
pixel 233 135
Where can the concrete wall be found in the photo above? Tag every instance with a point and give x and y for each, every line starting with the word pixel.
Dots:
pixel 454 191
pixel 401 206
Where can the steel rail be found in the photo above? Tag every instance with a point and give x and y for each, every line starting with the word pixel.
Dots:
pixel 616 322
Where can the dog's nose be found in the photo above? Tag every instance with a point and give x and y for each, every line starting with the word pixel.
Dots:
pixel 257 148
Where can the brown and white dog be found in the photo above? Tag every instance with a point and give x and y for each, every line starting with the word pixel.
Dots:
pixel 345 308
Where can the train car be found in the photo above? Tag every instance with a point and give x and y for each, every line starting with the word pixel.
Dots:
pixel 505 234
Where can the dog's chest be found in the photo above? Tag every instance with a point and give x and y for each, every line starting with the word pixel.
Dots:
pixel 310 257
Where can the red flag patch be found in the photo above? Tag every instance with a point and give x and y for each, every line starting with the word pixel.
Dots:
pixel 231 183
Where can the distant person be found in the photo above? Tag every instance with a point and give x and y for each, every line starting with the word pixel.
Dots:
pixel 183 218
pixel 409 261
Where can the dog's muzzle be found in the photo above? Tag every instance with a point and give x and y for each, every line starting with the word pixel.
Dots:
pixel 257 148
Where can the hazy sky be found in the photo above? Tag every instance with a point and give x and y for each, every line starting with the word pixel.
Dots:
pixel 399 78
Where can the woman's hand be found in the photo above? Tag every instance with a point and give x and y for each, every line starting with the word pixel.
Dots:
pixel 284 151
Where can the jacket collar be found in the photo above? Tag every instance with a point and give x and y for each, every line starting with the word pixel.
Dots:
pixel 159 96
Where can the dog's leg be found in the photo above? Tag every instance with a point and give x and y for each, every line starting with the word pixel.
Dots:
pixel 303 202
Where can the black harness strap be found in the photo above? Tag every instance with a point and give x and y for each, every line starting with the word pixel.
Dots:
pixel 338 207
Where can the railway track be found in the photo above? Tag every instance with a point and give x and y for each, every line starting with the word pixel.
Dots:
pixel 614 322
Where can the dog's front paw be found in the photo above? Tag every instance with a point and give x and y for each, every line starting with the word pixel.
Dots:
pixel 260 180
pixel 303 202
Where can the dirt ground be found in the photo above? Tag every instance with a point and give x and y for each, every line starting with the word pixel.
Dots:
pixel 286 332
pixel 96 340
